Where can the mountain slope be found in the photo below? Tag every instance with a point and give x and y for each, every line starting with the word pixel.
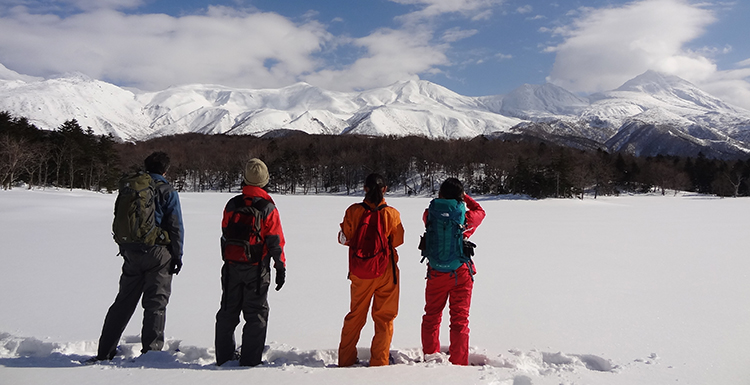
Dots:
pixel 669 93
pixel 537 102
pixel 104 107
pixel 650 101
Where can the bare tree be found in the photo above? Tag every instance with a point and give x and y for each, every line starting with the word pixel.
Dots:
pixel 14 154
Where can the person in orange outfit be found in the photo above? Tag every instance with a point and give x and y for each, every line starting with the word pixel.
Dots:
pixel 378 284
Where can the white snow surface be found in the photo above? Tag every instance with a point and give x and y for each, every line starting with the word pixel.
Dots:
pixel 617 290
pixel 404 108
pixel 668 95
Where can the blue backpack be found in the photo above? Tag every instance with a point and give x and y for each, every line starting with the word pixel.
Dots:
pixel 443 245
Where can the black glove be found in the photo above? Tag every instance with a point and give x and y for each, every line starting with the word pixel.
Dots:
pixel 469 248
pixel 175 265
pixel 280 277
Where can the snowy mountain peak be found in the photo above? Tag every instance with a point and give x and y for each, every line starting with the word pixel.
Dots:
pixel 673 90
pixel 653 82
pixel 418 94
pixel 74 76
pixel 531 101
pixel 410 107
pixel 421 87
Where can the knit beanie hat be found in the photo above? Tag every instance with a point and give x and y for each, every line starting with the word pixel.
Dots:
pixel 256 173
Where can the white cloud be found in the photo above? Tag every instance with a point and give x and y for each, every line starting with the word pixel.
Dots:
pixel 224 45
pixel 37 6
pixel 105 4
pixel 456 34
pixel 525 9
pixel 154 51
pixel 392 55
pixel 605 47
pixel 502 56
pixel 732 86
pixel 473 9
pixel 485 15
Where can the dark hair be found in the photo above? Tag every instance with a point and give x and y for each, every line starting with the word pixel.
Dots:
pixel 374 183
pixel 452 188
pixel 157 163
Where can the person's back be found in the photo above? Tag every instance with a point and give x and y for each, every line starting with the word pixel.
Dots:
pixel 251 238
pixel 446 281
pixel 379 285
pixel 147 270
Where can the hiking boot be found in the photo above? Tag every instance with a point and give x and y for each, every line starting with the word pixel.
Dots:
pixel 93 360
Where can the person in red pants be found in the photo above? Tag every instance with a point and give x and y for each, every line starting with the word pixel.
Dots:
pixel 453 287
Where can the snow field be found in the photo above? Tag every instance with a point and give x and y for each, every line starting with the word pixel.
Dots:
pixel 642 289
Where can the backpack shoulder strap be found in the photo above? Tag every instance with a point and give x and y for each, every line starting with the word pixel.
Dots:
pixel 236 202
pixel 263 205
pixel 367 207
pixel 162 189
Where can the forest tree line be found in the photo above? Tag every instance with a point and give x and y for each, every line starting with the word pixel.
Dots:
pixel 71 157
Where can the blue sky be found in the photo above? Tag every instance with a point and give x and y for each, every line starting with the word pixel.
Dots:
pixel 473 47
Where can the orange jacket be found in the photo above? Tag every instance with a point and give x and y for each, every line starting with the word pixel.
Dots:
pixel 393 227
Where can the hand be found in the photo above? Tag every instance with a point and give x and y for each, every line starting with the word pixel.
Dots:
pixel 469 248
pixel 280 277
pixel 175 265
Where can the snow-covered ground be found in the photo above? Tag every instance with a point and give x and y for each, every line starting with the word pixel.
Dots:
pixel 626 290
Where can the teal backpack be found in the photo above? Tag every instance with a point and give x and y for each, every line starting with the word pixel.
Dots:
pixel 443 245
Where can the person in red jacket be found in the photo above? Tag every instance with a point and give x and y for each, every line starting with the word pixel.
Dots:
pixel 455 287
pixel 245 283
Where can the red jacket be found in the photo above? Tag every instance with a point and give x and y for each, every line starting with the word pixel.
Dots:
pixel 474 216
pixel 270 231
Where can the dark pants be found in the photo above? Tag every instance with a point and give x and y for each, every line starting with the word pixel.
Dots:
pixel 239 284
pixel 144 273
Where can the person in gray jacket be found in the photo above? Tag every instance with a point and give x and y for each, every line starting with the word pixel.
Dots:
pixel 147 271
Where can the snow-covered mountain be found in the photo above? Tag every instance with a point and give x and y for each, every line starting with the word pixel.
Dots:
pixel 652 112
pixel 671 94
pixel 213 109
pixel 537 102
pixel 104 107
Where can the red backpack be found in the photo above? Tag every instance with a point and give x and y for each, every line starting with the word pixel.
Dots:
pixel 369 249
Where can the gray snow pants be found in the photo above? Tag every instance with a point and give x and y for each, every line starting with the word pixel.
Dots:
pixel 239 284
pixel 144 273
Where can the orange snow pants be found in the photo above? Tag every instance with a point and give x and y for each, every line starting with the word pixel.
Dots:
pixel 383 294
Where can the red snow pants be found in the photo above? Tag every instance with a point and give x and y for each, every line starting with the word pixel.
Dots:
pixel 455 289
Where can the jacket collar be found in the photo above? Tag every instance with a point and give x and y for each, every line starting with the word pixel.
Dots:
pixel 253 191
pixel 158 177
pixel 372 206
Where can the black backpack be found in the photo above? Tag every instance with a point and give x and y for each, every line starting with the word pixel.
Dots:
pixel 241 241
